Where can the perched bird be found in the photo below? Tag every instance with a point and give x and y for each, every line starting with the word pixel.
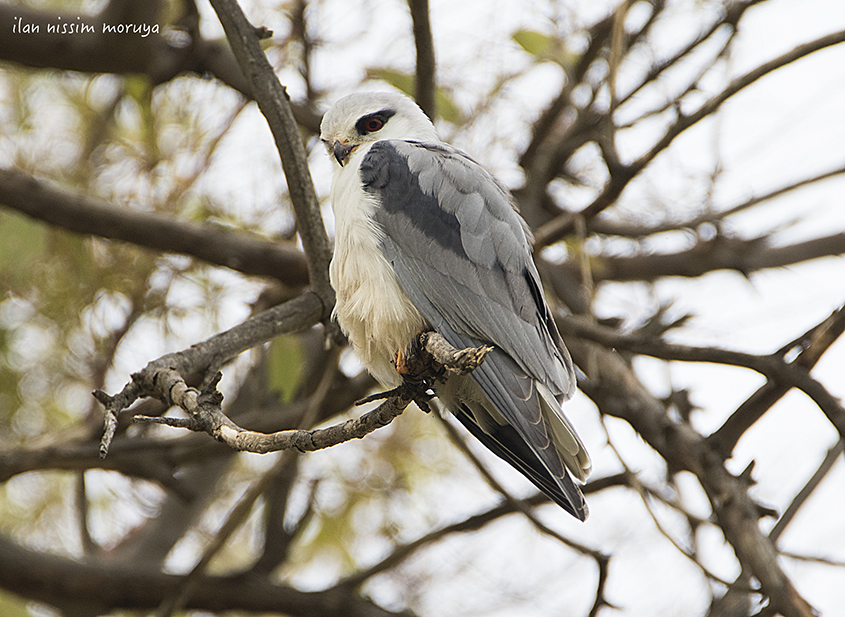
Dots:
pixel 426 239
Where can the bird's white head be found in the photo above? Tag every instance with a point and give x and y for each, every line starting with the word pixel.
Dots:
pixel 368 117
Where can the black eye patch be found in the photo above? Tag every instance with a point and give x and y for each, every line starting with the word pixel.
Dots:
pixel 373 122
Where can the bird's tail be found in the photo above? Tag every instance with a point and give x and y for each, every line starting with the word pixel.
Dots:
pixel 507 444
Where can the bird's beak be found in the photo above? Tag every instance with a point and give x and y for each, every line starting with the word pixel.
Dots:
pixel 341 150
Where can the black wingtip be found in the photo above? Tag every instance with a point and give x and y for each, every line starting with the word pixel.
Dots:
pixel 506 443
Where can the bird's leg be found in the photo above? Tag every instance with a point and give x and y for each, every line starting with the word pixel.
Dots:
pixel 417 373
pixel 401 363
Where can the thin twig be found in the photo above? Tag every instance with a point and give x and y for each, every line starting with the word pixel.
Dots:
pixel 635 229
pixel 178 599
pixel 645 493
pixel 557 228
pixel 472 523
pixel 618 392
pixel 810 346
pixel 826 561
pixel 773 366
pixel 804 494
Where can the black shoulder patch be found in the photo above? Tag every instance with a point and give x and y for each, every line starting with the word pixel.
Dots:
pixel 375 168
pixel 385 175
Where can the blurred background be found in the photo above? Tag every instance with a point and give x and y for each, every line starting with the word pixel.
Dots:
pixel 681 164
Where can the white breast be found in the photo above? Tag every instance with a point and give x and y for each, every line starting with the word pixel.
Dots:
pixel 371 308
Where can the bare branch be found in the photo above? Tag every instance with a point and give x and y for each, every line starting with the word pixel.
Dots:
pixel 150 55
pixel 718 253
pixel 557 228
pixel 124 585
pixel 617 392
pixel 211 419
pixel 92 50
pixel 804 494
pixel 602 560
pixel 424 79
pixel 163 378
pixel 274 103
pixel 774 366
pixel 87 215
pixel 205 414
pixel 472 523
pixel 636 230
pixel 735 12
pixel 819 560
pixel 810 347
pixel 191 581
pixel 685 121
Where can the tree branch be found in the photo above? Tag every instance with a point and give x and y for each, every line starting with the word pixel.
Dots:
pixel 557 228
pixel 773 366
pixel 150 55
pixel 205 413
pixel 425 87
pixel 719 253
pixel 163 378
pixel 107 585
pixel 90 49
pixel 472 523
pixel 90 216
pixel 274 103
pixel 810 347
pixel 734 12
pixel 804 494
pixel 208 417
pixel 706 255
pixel 637 230
pixel 602 559
pixel 617 392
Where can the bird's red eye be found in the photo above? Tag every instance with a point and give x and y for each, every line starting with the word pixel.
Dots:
pixel 373 124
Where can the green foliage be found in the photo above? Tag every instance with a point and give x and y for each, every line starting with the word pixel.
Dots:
pixel 138 89
pixel 535 43
pixel 545 47
pixel 284 366
pixel 12 606
pixel 22 241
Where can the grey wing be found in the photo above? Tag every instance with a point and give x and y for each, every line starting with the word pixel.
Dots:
pixel 461 253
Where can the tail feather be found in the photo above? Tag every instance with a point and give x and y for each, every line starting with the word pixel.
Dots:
pixel 568 444
pixel 506 443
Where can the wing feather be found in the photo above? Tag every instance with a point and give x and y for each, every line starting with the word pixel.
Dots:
pixel 462 255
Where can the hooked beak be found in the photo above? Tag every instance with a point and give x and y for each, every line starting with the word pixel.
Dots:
pixel 342 150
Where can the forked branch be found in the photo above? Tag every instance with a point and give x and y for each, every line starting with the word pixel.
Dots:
pixel 431 360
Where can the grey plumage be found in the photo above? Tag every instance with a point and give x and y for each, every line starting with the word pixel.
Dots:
pixel 445 230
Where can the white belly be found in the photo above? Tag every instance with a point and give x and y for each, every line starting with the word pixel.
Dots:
pixel 372 310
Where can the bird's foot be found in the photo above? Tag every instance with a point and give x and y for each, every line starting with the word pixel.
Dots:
pixel 428 361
